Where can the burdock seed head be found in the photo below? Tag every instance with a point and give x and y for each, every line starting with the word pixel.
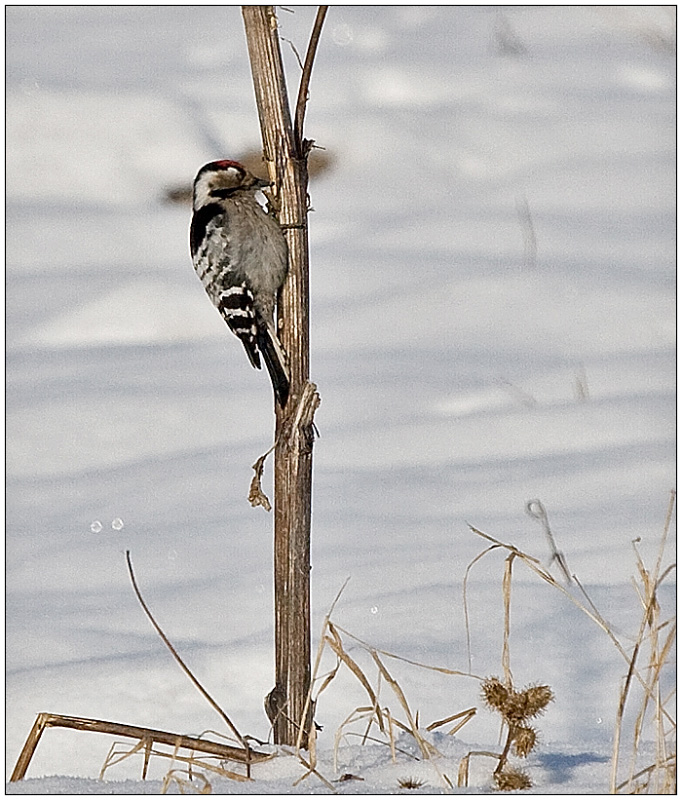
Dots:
pixel 526 704
pixel 525 740
pixel 538 698
pixel 510 780
pixel 410 783
pixel 495 694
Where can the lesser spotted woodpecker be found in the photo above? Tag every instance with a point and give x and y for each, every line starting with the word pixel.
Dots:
pixel 240 254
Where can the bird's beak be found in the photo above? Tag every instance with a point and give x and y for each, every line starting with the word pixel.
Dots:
pixel 262 184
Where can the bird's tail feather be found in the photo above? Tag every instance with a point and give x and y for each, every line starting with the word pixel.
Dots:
pixel 276 362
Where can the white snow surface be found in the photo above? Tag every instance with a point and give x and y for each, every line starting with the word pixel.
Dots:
pixel 492 304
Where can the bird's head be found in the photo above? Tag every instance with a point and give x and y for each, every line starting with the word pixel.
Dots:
pixel 219 180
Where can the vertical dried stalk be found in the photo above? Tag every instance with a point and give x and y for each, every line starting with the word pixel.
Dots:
pixel 506 592
pixel 305 77
pixel 286 158
pixel 29 748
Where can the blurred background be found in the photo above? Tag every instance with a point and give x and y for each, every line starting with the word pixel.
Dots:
pixel 492 301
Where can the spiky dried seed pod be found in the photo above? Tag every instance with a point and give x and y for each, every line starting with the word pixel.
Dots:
pixel 410 783
pixel 526 704
pixel 539 697
pixel 510 780
pixel 516 710
pixel 495 693
pixel 525 739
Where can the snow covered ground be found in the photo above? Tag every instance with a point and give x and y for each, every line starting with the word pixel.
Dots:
pixel 493 268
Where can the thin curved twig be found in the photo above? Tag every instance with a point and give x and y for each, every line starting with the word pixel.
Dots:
pixel 176 656
pixel 302 99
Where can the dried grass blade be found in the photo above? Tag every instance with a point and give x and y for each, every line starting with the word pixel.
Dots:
pixel 314 772
pixel 115 756
pixel 147 754
pixel 327 680
pixel 316 667
pixel 192 761
pixel 666 530
pixel 626 688
pixel 355 669
pixel 506 594
pixel 423 745
pixel 334 634
pixel 174 775
pixel 593 614
pixel 671 762
pixel 463 772
pixel 467 713
pixel 370 648
pixel 391 737
pixel 465 585
pixel 360 712
pixel 463 722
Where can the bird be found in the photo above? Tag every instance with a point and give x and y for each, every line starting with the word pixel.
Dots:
pixel 240 254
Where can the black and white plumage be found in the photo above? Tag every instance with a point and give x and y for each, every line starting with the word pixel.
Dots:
pixel 240 255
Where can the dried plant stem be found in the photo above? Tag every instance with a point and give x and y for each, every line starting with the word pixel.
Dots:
pixel 285 154
pixel 462 716
pixel 463 773
pixel 465 583
pixel 45 720
pixel 534 565
pixel 666 531
pixel 115 757
pixel 650 632
pixel 369 647
pixel 649 621
pixel 511 732
pixel 427 750
pixel 671 762
pixel 537 510
pixel 506 594
pixel 302 101
pixel 391 737
pixel 335 644
pixel 177 657
pixel 309 703
pixel 188 785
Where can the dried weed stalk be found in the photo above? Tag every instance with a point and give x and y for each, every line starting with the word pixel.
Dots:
pixel 375 714
pixel 144 739
pixel 242 740
pixel 195 781
pixel 186 785
pixel 515 707
pixel 656 706
pixel 375 717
